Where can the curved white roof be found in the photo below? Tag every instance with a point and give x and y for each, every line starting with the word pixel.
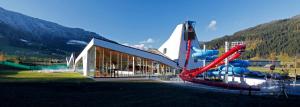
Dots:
pixel 127 50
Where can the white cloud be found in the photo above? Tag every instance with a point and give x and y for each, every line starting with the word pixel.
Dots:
pixel 126 44
pixel 76 42
pixel 148 41
pixel 140 46
pixel 23 40
pixel 144 45
pixel 212 25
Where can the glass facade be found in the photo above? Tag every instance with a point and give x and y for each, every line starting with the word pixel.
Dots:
pixel 111 63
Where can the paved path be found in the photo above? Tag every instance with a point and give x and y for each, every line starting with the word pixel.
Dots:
pixel 293 89
pixel 206 87
pixel 121 79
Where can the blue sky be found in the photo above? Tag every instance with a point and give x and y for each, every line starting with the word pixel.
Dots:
pixel 135 21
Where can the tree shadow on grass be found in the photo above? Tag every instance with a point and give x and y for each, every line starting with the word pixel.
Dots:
pixel 4 73
pixel 45 80
pixel 41 77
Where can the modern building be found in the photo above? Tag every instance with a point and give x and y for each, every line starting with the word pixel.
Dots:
pixel 106 59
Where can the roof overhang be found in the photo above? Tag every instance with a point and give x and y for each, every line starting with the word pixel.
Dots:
pixel 128 50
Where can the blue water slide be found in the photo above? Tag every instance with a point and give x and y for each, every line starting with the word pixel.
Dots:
pixel 210 58
pixel 239 63
pixel 204 54
pixel 217 73
pixel 236 66
pixel 236 70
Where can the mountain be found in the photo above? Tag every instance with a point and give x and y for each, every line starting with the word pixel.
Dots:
pixel 27 36
pixel 274 40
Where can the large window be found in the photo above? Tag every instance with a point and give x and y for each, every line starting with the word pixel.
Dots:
pixel 111 63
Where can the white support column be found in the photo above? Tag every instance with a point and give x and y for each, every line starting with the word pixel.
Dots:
pixel 133 65
pixel 106 68
pixel 163 69
pixel 166 69
pixel 226 63
pixel 146 67
pixel 143 66
pixel 94 60
pixel 127 68
pixel 158 68
pixel 118 64
pixel 103 64
pixel 99 60
pixel 169 70
pixel 110 66
pixel 121 69
pixel 152 70
pixel 204 62
pixel 141 70
pixel 174 71
pixel 86 63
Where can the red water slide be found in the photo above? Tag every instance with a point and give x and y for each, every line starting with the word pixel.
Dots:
pixel 189 75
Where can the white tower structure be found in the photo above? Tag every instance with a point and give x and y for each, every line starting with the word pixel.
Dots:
pixel 70 61
pixel 176 46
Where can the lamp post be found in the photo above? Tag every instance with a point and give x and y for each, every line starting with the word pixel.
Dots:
pixel 295 80
pixel 204 61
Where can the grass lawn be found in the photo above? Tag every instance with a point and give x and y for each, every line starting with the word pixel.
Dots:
pixel 33 89
pixel 34 76
pixel 277 70
pixel 129 94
